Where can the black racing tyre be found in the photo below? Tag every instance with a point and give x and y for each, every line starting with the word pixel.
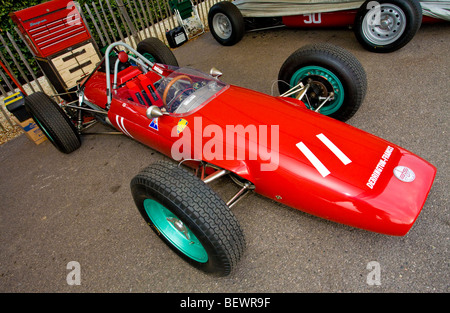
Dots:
pixel 156 51
pixel 387 25
pixel 226 23
pixel 189 217
pixel 327 69
pixel 53 121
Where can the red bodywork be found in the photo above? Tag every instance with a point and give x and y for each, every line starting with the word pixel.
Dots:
pixel 327 19
pixel 331 19
pixel 358 189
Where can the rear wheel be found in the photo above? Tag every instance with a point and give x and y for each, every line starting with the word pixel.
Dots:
pixel 226 23
pixel 53 121
pixel 388 25
pixel 330 71
pixel 189 217
pixel 156 51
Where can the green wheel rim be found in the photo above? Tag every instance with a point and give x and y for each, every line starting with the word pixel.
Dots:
pixel 338 88
pixel 149 57
pixel 173 229
pixel 43 129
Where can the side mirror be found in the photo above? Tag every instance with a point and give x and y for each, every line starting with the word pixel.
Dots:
pixel 153 112
pixel 215 73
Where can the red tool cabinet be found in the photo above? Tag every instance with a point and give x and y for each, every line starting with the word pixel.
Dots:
pixel 62 44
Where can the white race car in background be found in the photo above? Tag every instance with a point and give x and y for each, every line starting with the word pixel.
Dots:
pixel 380 26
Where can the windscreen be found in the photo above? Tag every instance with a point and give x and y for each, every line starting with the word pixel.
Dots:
pixel 184 90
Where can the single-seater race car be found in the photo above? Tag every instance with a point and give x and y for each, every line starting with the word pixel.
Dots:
pixel 293 148
pixel 379 26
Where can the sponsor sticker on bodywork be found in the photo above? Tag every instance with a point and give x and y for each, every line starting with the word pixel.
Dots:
pixel 182 123
pixel 404 174
pixel 154 124
pixel 380 167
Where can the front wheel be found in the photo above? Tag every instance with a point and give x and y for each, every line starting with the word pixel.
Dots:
pixel 53 121
pixel 189 217
pixel 329 72
pixel 388 25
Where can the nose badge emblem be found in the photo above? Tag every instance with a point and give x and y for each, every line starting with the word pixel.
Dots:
pixel 404 174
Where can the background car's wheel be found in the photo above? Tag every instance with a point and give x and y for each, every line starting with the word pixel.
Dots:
pixel 189 217
pixel 387 25
pixel 53 121
pixel 326 68
pixel 226 23
pixel 156 51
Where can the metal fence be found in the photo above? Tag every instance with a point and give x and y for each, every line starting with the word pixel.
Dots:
pixel 133 20
pixel 108 21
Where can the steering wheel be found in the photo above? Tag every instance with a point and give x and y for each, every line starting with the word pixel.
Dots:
pixel 172 82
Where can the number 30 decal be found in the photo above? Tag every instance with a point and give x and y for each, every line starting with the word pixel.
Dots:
pixel 312 18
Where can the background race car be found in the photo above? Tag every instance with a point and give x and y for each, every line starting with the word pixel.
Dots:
pixel 380 26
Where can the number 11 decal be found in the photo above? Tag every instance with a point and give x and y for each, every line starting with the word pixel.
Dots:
pixel 316 162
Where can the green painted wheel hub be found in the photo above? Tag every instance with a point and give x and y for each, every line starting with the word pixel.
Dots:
pixel 44 130
pixel 325 79
pixel 149 57
pixel 175 231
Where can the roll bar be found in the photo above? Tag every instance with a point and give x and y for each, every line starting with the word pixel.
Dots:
pixel 108 72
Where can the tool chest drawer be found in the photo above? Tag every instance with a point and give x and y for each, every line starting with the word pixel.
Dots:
pixel 75 64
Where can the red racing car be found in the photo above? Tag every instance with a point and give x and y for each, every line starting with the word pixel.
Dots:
pixel 292 148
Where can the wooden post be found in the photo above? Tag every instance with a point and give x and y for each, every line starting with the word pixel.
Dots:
pixel 24 60
pixel 125 15
pixel 99 33
pixel 15 62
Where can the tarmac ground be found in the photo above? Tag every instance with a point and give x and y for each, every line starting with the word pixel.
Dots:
pixel 57 208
